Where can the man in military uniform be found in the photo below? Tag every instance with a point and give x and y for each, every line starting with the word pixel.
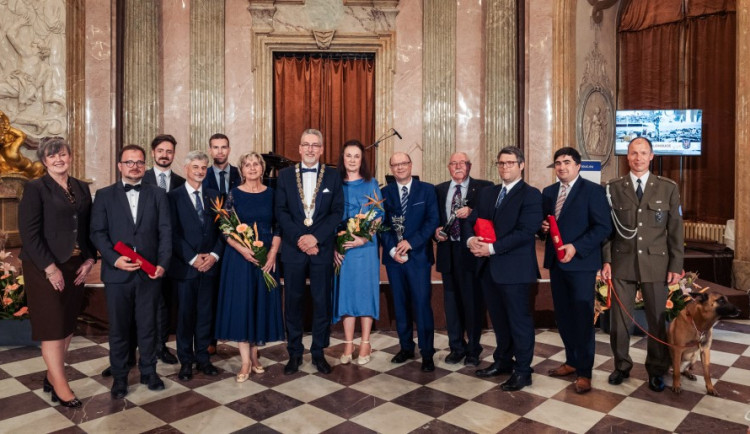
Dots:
pixel 646 248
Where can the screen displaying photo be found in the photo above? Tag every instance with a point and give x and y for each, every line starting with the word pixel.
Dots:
pixel 672 132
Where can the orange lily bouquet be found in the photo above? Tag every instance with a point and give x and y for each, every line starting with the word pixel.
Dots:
pixel 679 294
pixel 602 300
pixel 13 296
pixel 364 225
pixel 231 226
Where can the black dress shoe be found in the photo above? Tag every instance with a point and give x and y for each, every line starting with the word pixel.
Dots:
pixel 402 356
pixel 617 376
pixel 165 356
pixel 516 382
pixel 321 364
pixel 471 360
pixel 119 388
pixel 655 383
pixel 454 357
pixel 208 369
pixel 153 381
pixel 428 365
pixel 106 372
pixel 493 371
pixel 73 403
pixel 292 365
pixel 186 372
pixel 46 385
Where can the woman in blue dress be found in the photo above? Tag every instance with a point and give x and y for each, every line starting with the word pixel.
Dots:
pixel 357 287
pixel 247 311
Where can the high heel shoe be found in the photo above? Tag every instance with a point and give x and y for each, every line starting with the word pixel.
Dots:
pixel 46 385
pixel 241 378
pixel 258 369
pixel 363 360
pixel 346 358
pixel 73 403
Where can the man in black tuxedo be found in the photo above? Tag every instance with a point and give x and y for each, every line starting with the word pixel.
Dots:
pixel 137 215
pixel 222 176
pixel 462 294
pixel 196 249
pixel 508 267
pixel 408 260
pixel 582 214
pixel 162 151
pixel 309 206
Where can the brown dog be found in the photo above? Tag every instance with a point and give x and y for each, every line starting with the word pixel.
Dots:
pixel 691 331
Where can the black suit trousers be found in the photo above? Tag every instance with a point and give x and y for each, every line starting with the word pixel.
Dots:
pixel 573 298
pixel 462 296
pixel 195 316
pixel 294 310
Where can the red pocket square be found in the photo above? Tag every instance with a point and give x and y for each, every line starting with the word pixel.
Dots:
pixel 554 232
pixel 124 250
pixel 486 229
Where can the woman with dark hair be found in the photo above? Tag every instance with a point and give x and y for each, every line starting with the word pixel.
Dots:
pixel 357 287
pixel 56 256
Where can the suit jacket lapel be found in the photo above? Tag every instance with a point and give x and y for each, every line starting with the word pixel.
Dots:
pixel 508 195
pixel 649 190
pixel 629 192
pixel 142 200
pixel 571 195
pixel 122 198
pixel 190 207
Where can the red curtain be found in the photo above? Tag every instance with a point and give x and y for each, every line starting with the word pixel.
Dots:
pixel 334 94
pixel 675 58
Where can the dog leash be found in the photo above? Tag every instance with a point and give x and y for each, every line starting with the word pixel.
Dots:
pixel 612 291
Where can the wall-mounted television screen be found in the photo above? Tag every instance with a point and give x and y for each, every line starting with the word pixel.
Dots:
pixel 672 132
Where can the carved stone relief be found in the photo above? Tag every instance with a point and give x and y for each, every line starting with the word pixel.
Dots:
pixel 32 66
pixel 596 117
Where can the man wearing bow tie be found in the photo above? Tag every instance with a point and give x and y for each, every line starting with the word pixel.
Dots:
pixel 138 216
pixel 309 205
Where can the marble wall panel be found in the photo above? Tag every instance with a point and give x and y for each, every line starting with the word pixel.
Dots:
pixel 238 81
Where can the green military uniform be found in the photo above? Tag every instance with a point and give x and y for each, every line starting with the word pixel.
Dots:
pixel 647 244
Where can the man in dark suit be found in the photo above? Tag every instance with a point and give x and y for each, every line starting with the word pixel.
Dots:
pixel 461 291
pixel 647 248
pixel 408 257
pixel 162 151
pixel 222 176
pixel 196 249
pixel 137 215
pixel 581 211
pixel 309 206
pixel 508 267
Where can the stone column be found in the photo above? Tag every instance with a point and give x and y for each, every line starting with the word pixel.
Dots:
pixel 438 87
pixel 742 151
pixel 75 63
pixel 501 95
pixel 141 99
pixel 564 74
pixel 206 71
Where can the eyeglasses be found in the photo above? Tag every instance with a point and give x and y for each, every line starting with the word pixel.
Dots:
pixel 131 163
pixel 400 165
pixel 505 163
pixel 459 163
pixel 311 145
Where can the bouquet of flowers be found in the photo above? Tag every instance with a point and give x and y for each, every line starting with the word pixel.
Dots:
pixel 679 294
pixel 364 225
pixel 602 300
pixel 231 226
pixel 11 290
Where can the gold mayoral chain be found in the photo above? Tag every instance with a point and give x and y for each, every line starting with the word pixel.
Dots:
pixel 309 208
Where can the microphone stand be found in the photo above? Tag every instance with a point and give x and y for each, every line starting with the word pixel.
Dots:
pixel 386 135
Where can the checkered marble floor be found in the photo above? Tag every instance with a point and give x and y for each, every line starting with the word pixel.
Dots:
pixel 380 396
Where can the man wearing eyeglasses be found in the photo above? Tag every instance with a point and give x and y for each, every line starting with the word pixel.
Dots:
pixel 137 215
pixel 461 292
pixel 408 258
pixel 508 266
pixel 309 205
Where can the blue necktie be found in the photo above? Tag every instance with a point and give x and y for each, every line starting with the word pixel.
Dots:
pixel 404 198
pixel 639 191
pixel 199 205
pixel 223 182
pixel 501 196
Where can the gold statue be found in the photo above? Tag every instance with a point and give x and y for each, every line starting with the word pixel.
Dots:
pixel 11 159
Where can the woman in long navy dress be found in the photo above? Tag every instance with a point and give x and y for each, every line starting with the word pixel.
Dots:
pixel 357 287
pixel 248 312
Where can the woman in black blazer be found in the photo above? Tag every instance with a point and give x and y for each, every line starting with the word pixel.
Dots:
pixel 56 256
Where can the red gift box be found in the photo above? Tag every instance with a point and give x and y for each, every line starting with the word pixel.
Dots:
pixel 554 232
pixel 124 250
pixel 486 229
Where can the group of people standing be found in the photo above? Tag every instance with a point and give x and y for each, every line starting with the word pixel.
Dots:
pixel 156 216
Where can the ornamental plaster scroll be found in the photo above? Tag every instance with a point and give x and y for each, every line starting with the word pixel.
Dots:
pixel 32 66
pixel 599 6
pixel 595 122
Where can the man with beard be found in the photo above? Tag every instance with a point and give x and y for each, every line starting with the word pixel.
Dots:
pixel 221 176
pixel 162 151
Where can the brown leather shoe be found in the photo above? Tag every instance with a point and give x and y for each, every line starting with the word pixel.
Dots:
pixel 211 350
pixel 583 384
pixel 562 371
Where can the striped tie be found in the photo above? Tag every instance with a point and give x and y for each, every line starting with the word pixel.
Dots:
pixel 500 197
pixel 163 181
pixel 404 198
pixel 561 199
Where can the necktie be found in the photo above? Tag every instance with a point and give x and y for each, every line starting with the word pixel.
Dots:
pixel 163 181
pixel 129 187
pixel 199 205
pixel 561 199
pixel 501 196
pixel 223 182
pixel 639 191
pixel 404 198
pixel 310 170
pixel 455 230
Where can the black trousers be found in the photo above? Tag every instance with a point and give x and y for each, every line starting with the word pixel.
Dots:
pixel 194 318
pixel 464 308
pixel 294 290
pixel 574 312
